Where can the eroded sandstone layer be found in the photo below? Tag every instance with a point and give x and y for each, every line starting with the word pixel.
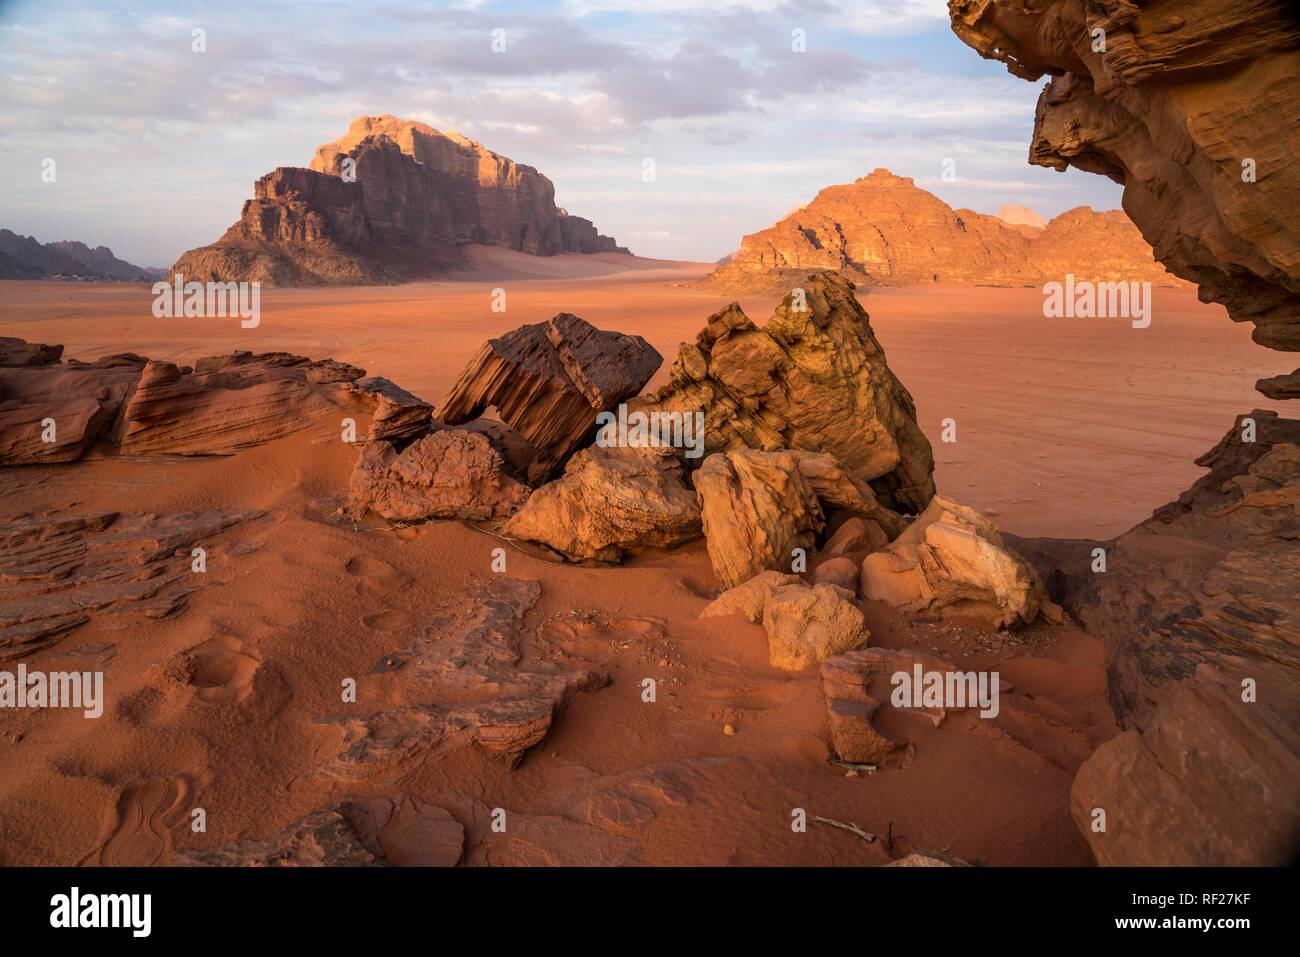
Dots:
pixel 883 229
pixel 1195 108
pixel 390 200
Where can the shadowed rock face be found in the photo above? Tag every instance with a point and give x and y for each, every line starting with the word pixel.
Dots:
pixel 1185 99
pixel 390 200
pixel 884 230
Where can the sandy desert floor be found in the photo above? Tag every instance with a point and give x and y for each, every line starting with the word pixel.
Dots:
pixel 1065 428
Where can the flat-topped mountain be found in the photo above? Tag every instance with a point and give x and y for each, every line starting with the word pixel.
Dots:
pixel 25 257
pixel 883 229
pixel 390 200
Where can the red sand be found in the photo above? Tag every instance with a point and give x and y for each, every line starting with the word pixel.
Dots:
pixel 1065 428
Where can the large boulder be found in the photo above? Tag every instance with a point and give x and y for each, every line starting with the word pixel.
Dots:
pixel 806 625
pixel 611 500
pixel 749 598
pixel 814 379
pixel 756 508
pixel 450 473
pixel 549 381
pixel 953 561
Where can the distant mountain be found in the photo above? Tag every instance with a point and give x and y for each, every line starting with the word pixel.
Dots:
pixel 23 257
pixel 883 230
pixel 389 201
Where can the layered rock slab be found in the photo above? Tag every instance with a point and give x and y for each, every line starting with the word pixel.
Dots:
pixel 814 379
pixel 468 680
pixel 548 381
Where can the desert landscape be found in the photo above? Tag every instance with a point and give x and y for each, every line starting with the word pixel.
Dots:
pixel 414 520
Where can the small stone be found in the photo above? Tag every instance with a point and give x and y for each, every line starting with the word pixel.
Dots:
pixel 728 729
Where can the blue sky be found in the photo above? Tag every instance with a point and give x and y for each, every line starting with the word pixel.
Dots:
pixel 158 146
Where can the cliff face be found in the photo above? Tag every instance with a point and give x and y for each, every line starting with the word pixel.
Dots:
pixel 415 196
pixel 1194 106
pixel 884 230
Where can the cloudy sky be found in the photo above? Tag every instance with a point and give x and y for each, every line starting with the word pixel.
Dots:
pixel 157 146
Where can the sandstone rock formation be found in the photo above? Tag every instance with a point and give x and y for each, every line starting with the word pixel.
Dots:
pixel 953 561
pixel 60 571
pixel 1286 386
pixel 750 597
pixel 22 257
pixel 323 839
pixel 839 571
pixel 469 679
pixel 1195 604
pixel 814 379
pixel 548 381
pixel 806 625
pixel 856 535
pixel 390 200
pixel 611 500
pixel 883 230
pixel 1195 109
pixel 756 508
pixel 448 473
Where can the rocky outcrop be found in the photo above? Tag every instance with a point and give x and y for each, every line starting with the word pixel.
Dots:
pixel 1285 386
pixel 470 679
pixel 750 597
pixel 953 561
pixel 19 353
pixel 323 839
pixel 806 625
pixel 610 501
pixel 1195 109
pixel 390 200
pixel 548 382
pixel 814 379
pixel 448 473
pixel 60 571
pixel 1198 611
pixel 882 230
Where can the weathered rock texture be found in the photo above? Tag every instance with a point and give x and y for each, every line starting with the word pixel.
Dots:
pixel 813 380
pixel 390 200
pixel 953 561
pixel 749 598
pixel 469 679
pixel 884 230
pixel 1195 601
pixel 609 501
pixel 449 473
pixel 1195 109
pixel 548 381
pixel 806 625
pixel 57 572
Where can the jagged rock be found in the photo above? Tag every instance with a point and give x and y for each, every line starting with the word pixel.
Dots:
pixel 465 681
pixel 953 561
pixel 882 229
pixel 815 380
pixel 1281 387
pixel 806 625
pixel 323 839
pixel 74 403
pixel 22 257
pixel 451 473
pixel 837 488
pixel 611 500
pixel 548 381
pixel 856 535
pixel 1197 115
pixel 749 598
pixel 19 353
pixel 1193 602
pixel 229 403
pixel 398 414
pixel 391 200
pixel 60 571
pixel 756 508
pixel 837 571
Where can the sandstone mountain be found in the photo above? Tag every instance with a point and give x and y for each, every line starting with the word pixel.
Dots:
pixel 389 201
pixel 883 229
pixel 23 257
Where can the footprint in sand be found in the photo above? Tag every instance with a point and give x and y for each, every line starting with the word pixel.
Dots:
pixel 387 621
pixel 377 578
pixel 146 814
pixel 222 670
